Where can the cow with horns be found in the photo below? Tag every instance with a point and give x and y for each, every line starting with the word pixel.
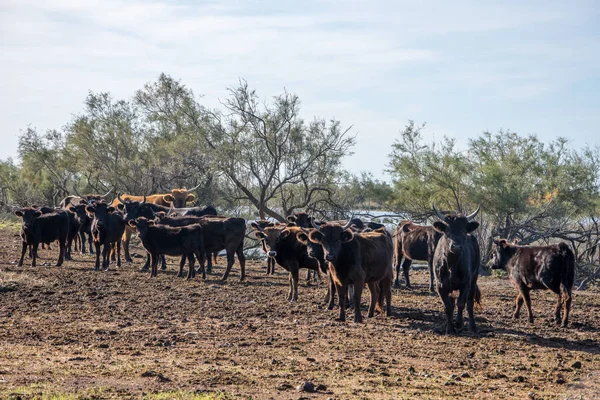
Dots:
pixel 456 266
pixel 359 259
pixel 177 197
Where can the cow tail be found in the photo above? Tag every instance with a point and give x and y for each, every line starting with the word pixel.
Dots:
pixel 477 298
pixel 568 272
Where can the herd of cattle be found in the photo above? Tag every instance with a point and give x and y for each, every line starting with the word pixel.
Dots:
pixel 352 254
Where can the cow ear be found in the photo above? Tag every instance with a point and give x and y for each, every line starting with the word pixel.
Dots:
pixel 150 222
pixel 254 225
pixel 82 201
pixel 132 223
pixel 190 198
pixel 291 218
pixel 405 228
pixel 347 236
pixel 19 213
pixel 302 237
pixel 260 235
pixel 471 226
pixel 168 198
pixel 38 213
pixel 315 237
pixel 440 226
pixel 160 214
pixel 111 209
pixel 285 234
pixel 121 206
pixel 503 242
pixel 90 209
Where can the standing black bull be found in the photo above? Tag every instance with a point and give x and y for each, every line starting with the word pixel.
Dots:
pixel 357 258
pixel 414 242
pixel 85 223
pixel 538 267
pixel 282 245
pixel 108 226
pixel 39 228
pixel 456 266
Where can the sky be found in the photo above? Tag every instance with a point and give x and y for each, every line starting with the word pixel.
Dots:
pixel 463 67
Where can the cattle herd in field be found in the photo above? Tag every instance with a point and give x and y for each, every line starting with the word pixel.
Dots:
pixel 351 253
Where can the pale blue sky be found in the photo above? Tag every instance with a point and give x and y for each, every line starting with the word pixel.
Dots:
pixel 461 66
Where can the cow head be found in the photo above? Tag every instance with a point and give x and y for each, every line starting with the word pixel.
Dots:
pixel 141 224
pixel 28 216
pixel 100 212
pixel 134 209
pixel 331 236
pixel 178 198
pixel 455 228
pixel 501 253
pixel 79 209
pixel 301 219
pixel 271 235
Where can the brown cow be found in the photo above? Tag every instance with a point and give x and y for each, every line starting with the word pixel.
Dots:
pixel 176 197
pixel 359 259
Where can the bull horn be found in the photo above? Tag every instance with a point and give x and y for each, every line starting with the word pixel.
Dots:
pixel 119 198
pixel 471 216
pixel 107 193
pixel 162 187
pixel 348 224
pixel 439 214
pixel 314 224
pixel 194 188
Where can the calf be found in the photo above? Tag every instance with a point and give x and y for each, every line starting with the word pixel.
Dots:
pixel 85 223
pixel 220 233
pixel 108 226
pixel 414 242
pixel 538 267
pixel 282 245
pixel 258 226
pixel 456 266
pixel 185 241
pixel 39 228
pixel 359 259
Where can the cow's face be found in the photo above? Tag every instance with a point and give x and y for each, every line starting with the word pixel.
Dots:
pixel 500 254
pixel 28 215
pixel 455 229
pixel 141 224
pixel 79 211
pixel 271 237
pixel 331 237
pixel 136 209
pixel 314 250
pixel 178 198
pixel 100 212
pixel 301 219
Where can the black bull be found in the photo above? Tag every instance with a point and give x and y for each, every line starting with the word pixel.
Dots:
pixel 538 267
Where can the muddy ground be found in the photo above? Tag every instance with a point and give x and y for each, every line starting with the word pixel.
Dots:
pixel 71 332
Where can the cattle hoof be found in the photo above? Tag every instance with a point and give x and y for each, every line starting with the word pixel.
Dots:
pixel 144 269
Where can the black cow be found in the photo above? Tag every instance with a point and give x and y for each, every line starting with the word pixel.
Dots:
pixel 282 245
pixel 456 266
pixel 39 228
pixel 108 226
pixel 220 233
pixel 185 241
pixel 258 226
pixel 414 242
pixel 538 267
pixel 359 259
pixel 85 223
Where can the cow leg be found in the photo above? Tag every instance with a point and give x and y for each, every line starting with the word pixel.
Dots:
pixel 349 302
pixel 342 291
pixel 242 260
pixel 126 239
pixel 358 288
pixel 449 307
pixel 405 269
pixel 330 298
pixel 527 298
pixel 163 262
pixel 559 303
pixel 201 262
pixel 181 265
pixel 62 249
pixel 271 264
pixel 566 296
pixel 230 260
pixel 431 274
pixel 146 266
pixel 398 263
pixel 97 266
pixel 518 305
pixel 68 249
pixel 106 252
pixel 385 292
pixel 461 302
pixel 90 242
pixel 374 289
pixel 154 267
pixel 295 278
pixel 191 271
pixel 23 251
pixel 215 255
pixel 118 246
pixel 34 254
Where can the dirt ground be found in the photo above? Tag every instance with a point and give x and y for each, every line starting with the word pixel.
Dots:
pixel 71 332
